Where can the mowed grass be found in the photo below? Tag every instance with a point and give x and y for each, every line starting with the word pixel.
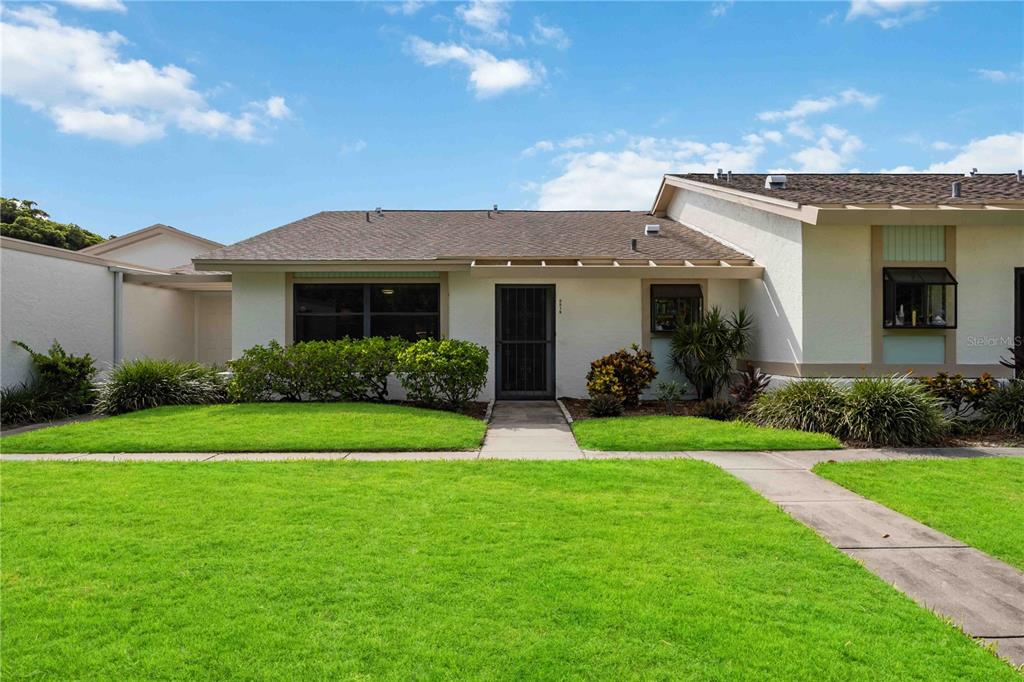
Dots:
pixel 977 501
pixel 260 427
pixel 664 433
pixel 467 570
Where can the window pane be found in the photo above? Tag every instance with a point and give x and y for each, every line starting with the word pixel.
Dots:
pixel 327 327
pixel 672 302
pixel 405 298
pixel 328 298
pixel 411 327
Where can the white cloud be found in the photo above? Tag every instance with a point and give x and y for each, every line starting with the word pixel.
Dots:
pixel 808 106
pixel 488 17
pixel 833 151
pixel 544 34
pixel 488 75
pixel 538 147
pixel 97 5
pixel 800 129
pixel 889 13
pixel 78 77
pixel 941 146
pixel 772 135
pixel 719 9
pixel 997 76
pixel 352 147
pixel 624 178
pixel 277 108
pixel 407 8
pixel 1001 153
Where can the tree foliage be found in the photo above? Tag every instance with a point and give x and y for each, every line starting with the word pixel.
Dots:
pixel 23 219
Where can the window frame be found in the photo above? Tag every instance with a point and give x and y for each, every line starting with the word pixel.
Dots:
pixel 367 314
pixel 941 277
pixel 652 307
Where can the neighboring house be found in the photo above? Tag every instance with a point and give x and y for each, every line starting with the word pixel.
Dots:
pixel 116 300
pixel 846 275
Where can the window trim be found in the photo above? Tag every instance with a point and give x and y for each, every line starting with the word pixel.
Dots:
pixel 949 281
pixel 367 312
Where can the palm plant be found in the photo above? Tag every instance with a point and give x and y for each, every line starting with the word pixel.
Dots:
pixel 705 350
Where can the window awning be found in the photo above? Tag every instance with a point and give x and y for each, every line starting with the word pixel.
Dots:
pixel 918 276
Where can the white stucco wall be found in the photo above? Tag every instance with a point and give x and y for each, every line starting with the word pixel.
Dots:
pixel 258 309
pixel 44 298
pixel 837 294
pixel 158 323
pixel 985 259
pixel 593 317
pixel 776 302
pixel 163 251
pixel 213 327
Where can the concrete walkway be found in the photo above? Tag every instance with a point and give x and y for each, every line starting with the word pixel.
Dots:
pixel 982 595
pixel 529 429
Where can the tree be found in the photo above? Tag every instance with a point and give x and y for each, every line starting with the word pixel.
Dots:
pixel 704 350
pixel 22 219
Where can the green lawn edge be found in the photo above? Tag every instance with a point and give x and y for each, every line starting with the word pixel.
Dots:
pixel 979 501
pixel 259 427
pixel 663 433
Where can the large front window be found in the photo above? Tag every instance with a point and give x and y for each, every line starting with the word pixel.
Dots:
pixel 918 298
pixel 334 311
pixel 674 304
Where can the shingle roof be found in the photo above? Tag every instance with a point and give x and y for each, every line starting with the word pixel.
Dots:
pixel 875 188
pixel 428 235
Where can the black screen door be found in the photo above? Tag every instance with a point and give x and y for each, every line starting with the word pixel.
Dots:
pixel 525 335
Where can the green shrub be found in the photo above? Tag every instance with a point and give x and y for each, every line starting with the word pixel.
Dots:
pixel 705 350
pixel 152 382
pixel 1003 409
pixel 721 410
pixel 375 359
pixel 66 379
pixel 265 373
pixel 893 411
pixel 749 386
pixel 444 372
pixel 322 371
pixel 807 405
pixel 959 395
pixel 624 373
pixel 29 403
pixel 604 405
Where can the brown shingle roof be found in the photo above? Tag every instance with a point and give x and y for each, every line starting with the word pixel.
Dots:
pixel 428 235
pixel 875 188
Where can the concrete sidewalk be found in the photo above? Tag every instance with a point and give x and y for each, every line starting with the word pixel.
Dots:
pixel 529 429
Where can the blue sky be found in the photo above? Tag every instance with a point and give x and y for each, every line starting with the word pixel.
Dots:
pixel 227 119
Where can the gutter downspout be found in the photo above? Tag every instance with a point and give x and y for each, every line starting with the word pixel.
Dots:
pixel 118 315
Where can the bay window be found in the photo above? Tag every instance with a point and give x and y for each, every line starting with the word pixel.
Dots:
pixel 918 298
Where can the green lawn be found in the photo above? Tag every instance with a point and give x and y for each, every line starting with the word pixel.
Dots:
pixel 662 433
pixel 977 501
pixel 295 427
pixel 467 570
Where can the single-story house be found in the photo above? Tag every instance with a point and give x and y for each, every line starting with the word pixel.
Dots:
pixel 844 274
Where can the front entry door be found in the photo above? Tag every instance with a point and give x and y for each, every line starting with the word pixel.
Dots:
pixel 525 336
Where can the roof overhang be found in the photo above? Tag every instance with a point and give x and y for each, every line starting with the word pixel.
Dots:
pixel 992 213
pixel 148 233
pixel 617 267
pixel 197 282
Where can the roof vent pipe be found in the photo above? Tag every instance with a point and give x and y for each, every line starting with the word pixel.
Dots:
pixel 728 176
pixel 632 245
pixel 367 216
pixel 1020 175
pixel 495 208
pixel 718 174
pixel 956 189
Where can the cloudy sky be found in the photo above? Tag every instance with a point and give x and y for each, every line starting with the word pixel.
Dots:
pixel 227 119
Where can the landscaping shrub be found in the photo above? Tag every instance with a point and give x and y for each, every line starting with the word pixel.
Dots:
pixel 749 386
pixel 669 392
pixel 28 403
pixel 322 370
pixel 604 405
pixel 445 372
pixel 893 411
pixel 1003 409
pixel 265 373
pixel 152 382
pixel 721 410
pixel 705 350
pixel 960 396
pixel 806 405
pixel 376 358
pixel 624 373
pixel 62 386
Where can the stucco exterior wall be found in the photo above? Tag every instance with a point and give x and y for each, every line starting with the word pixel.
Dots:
pixel 837 294
pixel 213 327
pixel 44 298
pixel 258 310
pixel 163 251
pixel 985 260
pixel 776 302
pixel 593 317
pixel 158 323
